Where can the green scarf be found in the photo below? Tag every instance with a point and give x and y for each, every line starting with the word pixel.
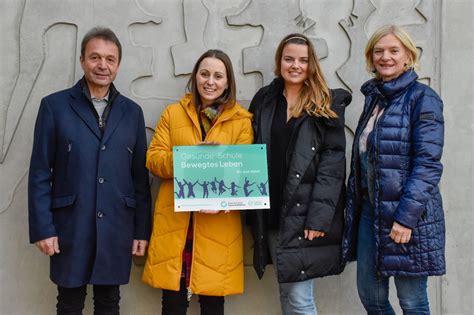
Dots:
pixel 209 116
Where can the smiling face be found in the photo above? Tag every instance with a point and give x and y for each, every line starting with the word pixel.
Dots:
pixel 294 64
pixel 211 80
pixel 100 63
pixel 390 57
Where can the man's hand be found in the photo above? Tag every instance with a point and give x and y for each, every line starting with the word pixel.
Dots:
pixel 400 234
pixel 310 234
pixel 49 246
pixel 139 247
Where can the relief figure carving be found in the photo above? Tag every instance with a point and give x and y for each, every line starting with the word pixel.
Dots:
pixel 290 20
pixel 37 19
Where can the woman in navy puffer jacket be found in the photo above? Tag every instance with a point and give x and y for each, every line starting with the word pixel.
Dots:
pixel 394 214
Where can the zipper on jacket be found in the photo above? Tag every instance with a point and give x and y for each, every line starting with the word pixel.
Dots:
pixel 379 255
pixel 424 215
pixel 206 135
pixel 377 176
pixel 189 292
pixel 377 263
pixel 188 289
pixel 363 120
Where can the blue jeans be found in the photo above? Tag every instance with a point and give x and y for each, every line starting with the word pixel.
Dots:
pixel 296 298
pixel 372 288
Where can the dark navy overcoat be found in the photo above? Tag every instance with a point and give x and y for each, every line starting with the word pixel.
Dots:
pixel 90 190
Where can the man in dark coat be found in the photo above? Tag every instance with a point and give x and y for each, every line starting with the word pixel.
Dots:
pixel 89 198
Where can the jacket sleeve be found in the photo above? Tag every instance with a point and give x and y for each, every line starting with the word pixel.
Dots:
pixel 246 133
pixel 255 101
pixel 254 109
pixel 159 157
pixel 40 176
pixel 330 174
pixel 141 183
pixel 427 143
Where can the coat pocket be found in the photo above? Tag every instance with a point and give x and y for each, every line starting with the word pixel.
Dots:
pixel 68 157
pixel 130 155
pixel 130 202
pixel 62 201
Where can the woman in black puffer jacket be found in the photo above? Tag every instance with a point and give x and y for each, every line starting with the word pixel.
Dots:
pixel 302 123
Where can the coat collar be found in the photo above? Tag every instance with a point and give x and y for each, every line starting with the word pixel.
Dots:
pixel 276 88
pixel 116 113
pixel 268 110
pixel 392 88
pixel 84 109
pixel 79 104
pixel 190 109
pixel 234 112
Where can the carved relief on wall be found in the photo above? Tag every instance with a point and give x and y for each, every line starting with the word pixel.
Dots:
pixel 277 19
pixel 162 39
pixel 37 18
pixel 416 16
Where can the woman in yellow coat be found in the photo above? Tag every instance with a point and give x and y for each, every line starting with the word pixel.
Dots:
pixel 200 252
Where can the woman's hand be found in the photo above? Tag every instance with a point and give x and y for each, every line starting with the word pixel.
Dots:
pixel 208 143
pixel 213 211
pixel 400 234
pixel 310 234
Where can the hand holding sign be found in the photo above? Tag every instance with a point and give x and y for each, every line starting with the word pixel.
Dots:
pixel 208 143
pixel 213 211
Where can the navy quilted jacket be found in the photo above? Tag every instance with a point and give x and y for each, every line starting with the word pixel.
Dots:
pixel 406 173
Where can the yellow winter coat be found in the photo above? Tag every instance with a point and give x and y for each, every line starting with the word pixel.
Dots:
pixel 217 264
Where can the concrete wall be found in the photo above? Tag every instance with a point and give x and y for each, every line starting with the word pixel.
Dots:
pixel 39 51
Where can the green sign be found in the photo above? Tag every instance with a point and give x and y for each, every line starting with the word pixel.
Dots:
pixel 220 177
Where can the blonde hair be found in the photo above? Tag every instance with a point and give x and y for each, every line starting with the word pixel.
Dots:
pixel 315 96
pixel 402 36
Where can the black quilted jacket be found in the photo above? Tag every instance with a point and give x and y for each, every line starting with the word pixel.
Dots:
pixel 314 192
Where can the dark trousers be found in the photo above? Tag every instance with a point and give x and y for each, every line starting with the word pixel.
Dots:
pixel 176 302
pixel 106 300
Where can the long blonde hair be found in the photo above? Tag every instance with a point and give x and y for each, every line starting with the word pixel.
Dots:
pixel 315 96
